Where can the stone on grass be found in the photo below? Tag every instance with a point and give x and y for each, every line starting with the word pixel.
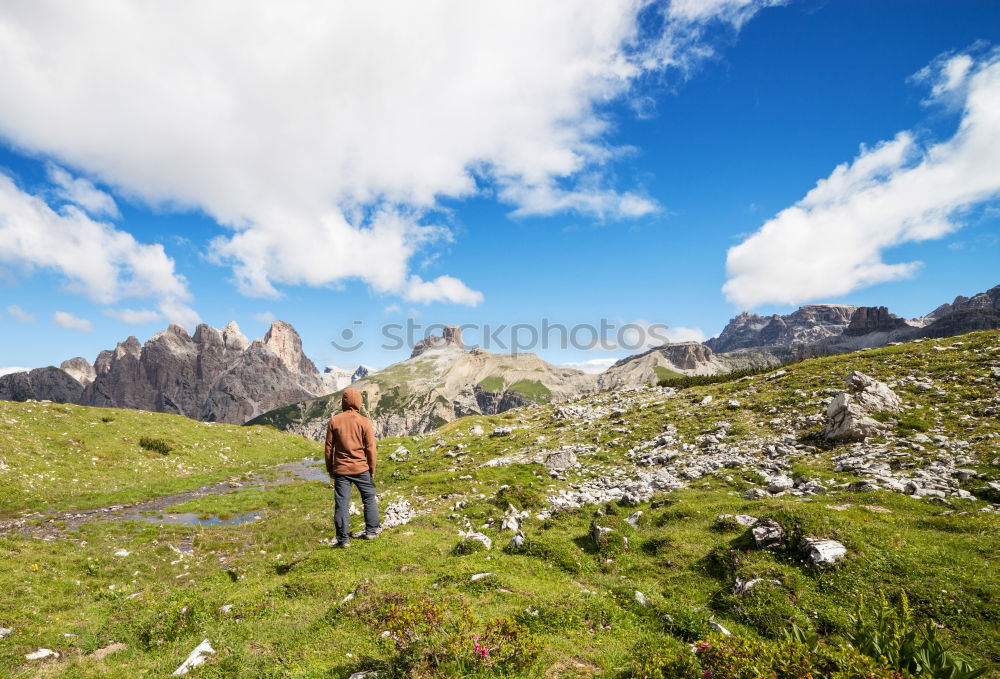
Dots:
pixel 122 552
pixel 517 542
pixel 754 494
pixel 744 586
pixel 849 416
pixel 102 653
pixel 768 534
pixel 479 576
pixel 6 632
pixel 744 520
pixel 716 627
pixel 633 518
pixel 41 654
pixel 641 599
pixel 478 537
pixel 779 484
pixel 502 431
pixel 818 552
pixel 196 658
pixel 561 459
pixel 367 674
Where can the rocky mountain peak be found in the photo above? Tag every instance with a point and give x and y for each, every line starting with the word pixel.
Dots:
pixel 79 369
pixel 869 319
pixel 282 339
pixel 233 338
pixel 450 338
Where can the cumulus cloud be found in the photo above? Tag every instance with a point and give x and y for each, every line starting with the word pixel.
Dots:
pixel 593 365
pixel 833 240
pixel 96 259
pixel 323 136
pixel 82 192
pixel 20 314
pixel 67 320
pixel 134 316
pixel 12 369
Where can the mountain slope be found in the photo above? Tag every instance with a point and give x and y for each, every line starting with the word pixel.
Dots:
pixel 673 472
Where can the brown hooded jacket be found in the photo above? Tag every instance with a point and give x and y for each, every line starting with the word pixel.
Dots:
pixel 350 439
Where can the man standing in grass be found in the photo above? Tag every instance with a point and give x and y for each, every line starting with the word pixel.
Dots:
pixel 350 458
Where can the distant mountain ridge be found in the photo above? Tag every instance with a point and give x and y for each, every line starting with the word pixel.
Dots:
pixel 819 329
pixel 440 382
pixel 213 375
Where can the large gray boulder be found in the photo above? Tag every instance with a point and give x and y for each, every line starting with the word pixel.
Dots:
pixel 849 416
pixel 40 384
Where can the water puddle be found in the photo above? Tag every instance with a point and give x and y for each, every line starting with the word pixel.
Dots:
pixel 192 519
pixel 154 511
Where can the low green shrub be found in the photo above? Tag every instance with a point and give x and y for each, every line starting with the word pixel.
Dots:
pixel 155 445
pixel 888 633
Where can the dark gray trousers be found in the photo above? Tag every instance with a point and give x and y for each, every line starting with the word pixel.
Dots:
pixel 341 514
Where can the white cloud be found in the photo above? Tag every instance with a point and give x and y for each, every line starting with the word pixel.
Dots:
pixel 134 316
pixel 833 240
pixel 12 369
pixel 70 322
pixel 441 289
pixel 392 309
pixel 265 317
pixel 81 192
pixel 96 259
pixel 20 314
pixel 594 365
pixel 323 135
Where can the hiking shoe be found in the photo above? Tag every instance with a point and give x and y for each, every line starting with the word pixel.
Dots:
pixel 342 545
pixel 365 535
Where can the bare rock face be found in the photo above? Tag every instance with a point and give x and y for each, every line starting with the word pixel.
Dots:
pixel 79 369
pixel 868 319
pixel 40 384
pixel 214 375
pixel 805 325
pixel 451 338
pixel 849 417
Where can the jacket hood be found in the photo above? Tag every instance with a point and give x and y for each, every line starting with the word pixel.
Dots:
pixel 351 400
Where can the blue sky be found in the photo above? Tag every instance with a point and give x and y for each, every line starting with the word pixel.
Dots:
pixel 512 168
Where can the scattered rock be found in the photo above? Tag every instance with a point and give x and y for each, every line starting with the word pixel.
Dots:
pixel 641 599
pixel 226 610
pixel 754 494
pixel 401 454
pixel 517 542
pixel 477 430
pixel 479 576
pixel 819 552
pixel 42 654
pixel 368 674
pixel 6 632
pixel 122 552
pixel 397 514
pixel 779 484
pixel 633 519
pixel 502 431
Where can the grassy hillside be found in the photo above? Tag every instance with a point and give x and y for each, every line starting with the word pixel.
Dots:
pixel 55 456
pixel 561 605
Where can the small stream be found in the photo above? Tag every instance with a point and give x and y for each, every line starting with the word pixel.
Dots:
pixel 153 511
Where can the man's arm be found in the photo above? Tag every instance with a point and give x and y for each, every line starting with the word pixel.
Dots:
pixel 329 448
pixel 371 448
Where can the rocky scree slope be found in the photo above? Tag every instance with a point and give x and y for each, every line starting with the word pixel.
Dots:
pixel 440 382
pixel 213 375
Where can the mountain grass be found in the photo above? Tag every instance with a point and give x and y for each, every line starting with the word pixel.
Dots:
pixel 70 457
pixel 533 390
pixel 556 607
